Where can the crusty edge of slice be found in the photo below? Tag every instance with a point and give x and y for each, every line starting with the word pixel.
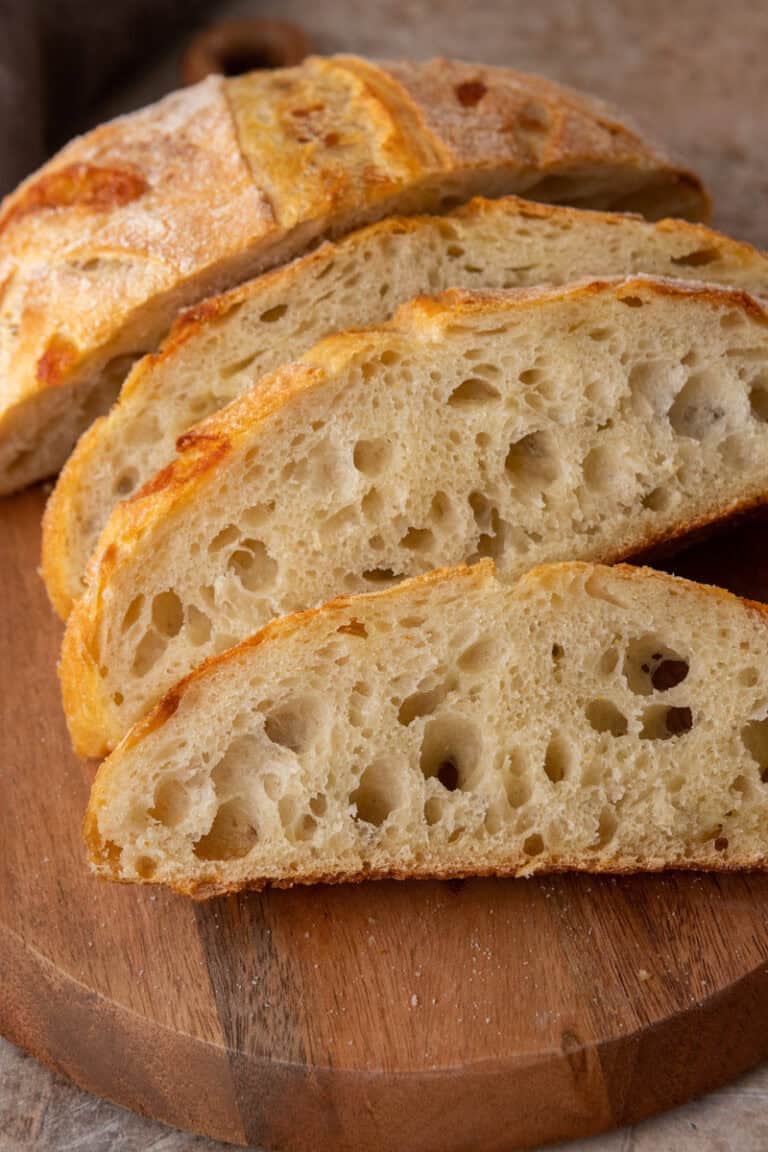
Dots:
pixel 206 446
pixel 57 521
pixel 483 573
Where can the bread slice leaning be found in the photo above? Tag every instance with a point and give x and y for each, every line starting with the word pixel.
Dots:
pixel 607 720
pixel 102 246
pixel 580 422
pixel 220 349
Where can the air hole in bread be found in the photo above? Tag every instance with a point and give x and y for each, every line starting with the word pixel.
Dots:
pixel 608 661
pixel 390 357
pixel 422 703
pixel 599 586
pixel 378 792
pixel 473 393
pixel 517 786
pixel 434 810
pixel 295 723
pixel 483 510
pixel 748 677
pixel 132 612
pixel 171 802
pixel 198 626
pixel 604 716
pixel 650 665
pixel 371 456
pixel 353 628
pixel 533 845
pixel 700 406
pixel 304 829
pixel 418 540
pixel 455 251
pixel 345 518
pixel 318 805
pixel 755 738
pixel 479 656
pixel 490 371
pixel 226 536
pixel 758 400
pixel 631 301
pixel 649 385
pixel 450 750
pixel 661 722
pixel 736 450
pixel 601 466
pixel 148 651
pixel 380 575
pixel 372 504
pixel 125 482
pixel 273 314
pixel 231 835
pixel 657 500
pixel 558 758
pixel 226 373
pixel 532 462
pixel 606 826
pixel 167 613
pixel 145 867
pixel 600 335
pixel 256 515
pixel 253 566
pixel 441 508
pixel 698 258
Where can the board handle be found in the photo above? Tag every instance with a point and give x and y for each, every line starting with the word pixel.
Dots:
pixel 230 47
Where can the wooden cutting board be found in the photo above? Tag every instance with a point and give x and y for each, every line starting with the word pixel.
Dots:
pixel 480 1015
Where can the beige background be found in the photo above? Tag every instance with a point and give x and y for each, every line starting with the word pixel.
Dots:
pixel 692 74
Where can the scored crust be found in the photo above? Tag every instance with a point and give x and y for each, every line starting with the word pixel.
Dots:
pixel 101 247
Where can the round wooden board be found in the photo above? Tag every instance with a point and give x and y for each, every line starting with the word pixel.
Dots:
pixel 429 1016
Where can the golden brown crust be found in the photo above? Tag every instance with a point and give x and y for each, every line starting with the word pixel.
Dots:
pixel 104 244
pixel 76 186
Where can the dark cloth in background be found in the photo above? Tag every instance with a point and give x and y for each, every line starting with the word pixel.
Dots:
pixel 58 58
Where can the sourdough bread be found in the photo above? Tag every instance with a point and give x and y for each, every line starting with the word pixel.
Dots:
pixel 220 349
pixel 607 720
pixel 101 247
pixel 584 422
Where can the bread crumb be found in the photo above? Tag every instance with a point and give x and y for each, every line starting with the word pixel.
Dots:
pixel 643 974
pixel 414 1001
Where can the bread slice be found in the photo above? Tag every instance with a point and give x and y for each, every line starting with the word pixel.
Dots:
pixel 101 247
pixel 606 720
pixel 218 350
pixel 582 422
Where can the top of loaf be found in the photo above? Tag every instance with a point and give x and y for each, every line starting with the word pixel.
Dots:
pixel 159 208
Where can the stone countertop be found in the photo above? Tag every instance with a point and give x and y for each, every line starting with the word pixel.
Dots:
pixel 692 75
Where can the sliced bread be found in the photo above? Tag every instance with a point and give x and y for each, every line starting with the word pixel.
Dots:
pixel 221 348
pixel 102 246
pixel 581 422
pixel 607 720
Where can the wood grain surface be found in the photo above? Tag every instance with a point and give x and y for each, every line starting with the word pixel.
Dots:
pixel 418 1016
pixel 481 1014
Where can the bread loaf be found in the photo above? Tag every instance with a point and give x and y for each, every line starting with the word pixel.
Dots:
pixel 220 349
pixel 100 249
pixel 608 720
pixel 585 421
